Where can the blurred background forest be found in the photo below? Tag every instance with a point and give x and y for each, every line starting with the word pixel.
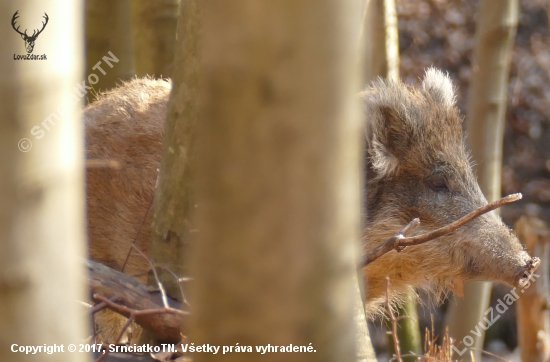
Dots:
pixel 441 33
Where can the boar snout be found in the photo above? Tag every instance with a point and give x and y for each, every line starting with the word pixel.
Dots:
pixel 521 277
pixel 494 253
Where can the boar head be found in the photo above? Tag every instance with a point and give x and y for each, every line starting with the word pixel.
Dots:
pixel 418 166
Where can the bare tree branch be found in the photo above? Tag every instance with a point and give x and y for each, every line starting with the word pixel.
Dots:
pixel 393 320
pixel 97 163
pixel 399 241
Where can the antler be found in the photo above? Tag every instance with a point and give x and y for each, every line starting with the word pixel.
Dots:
pixel 43 25
pixel 15 16
pixel 34 33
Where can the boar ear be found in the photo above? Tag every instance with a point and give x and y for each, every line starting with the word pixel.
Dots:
pixel 439 86
pixel 388 127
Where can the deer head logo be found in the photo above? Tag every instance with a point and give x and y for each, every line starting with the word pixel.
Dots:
pixel 29 40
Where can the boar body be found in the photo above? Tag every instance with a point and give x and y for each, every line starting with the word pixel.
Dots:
pixel 125 125
pixel 417 166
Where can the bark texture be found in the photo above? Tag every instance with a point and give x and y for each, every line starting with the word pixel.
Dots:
pixel 41 184
pixel 278 181
pixel 174 202
pixel 154 36
pixel 108 29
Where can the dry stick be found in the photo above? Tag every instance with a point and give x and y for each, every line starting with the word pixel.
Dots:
pixel 179 280
pixel 137 234
pixel 141 225
pixel 97 163
pixel 155 274
pixel 393 323
pixel 98 307
pixel 491 354
pixel 399 241
pixel 122 309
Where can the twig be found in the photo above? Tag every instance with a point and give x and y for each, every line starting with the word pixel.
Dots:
pixel 137 234
pixel 393 323
pixel 136 313
pixel 180 281
pixel 97 163
pixel 161 289
pixel 399 241
pixel 491 354
pixel 98 307
pixel 142 223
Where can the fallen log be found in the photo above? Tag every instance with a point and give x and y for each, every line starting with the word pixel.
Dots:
pixel 130 298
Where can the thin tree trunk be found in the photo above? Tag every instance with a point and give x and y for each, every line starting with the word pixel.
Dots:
pixel 391 39
pixel 374 39
pixel 154 36
pixel 278 181
pixel 173 205
pixel 41 185
pixel 381 38
pixel 365 351
pixel 532 313
pixel 495 36
pixel 408 331
pixel 108 29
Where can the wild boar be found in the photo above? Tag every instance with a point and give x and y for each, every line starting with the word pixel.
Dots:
pixel 418 166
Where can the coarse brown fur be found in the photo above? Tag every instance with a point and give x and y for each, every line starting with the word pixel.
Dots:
pixel 417 167
pixel 125 125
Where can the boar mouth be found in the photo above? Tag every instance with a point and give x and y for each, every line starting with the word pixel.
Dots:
pixel 524 273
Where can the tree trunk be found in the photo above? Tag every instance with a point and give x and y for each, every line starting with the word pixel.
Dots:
pixel 485 127
pixel 278 181
pixel 154 36
pixel 391 39
pixel 41 184
pixel 173 205
pixel 532 313
pixel 374 40
pixel 108 29
pixel 381 38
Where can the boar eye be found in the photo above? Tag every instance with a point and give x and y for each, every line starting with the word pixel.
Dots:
pixel 437 183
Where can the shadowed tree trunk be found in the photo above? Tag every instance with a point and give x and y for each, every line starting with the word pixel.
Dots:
pixel 41 185
pixel 487 99
pixel 173 206
pixel 374 39
pixel 154 36
pixel 108 29
pixel 278 181
pixel 365 351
